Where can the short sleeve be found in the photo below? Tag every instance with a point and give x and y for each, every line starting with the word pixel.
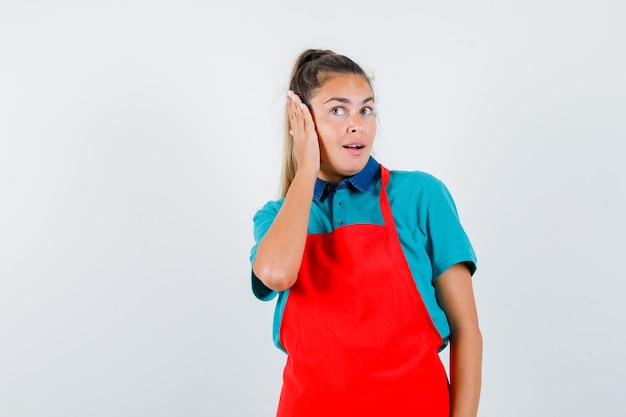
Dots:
pixel 262 220
pixel 449 244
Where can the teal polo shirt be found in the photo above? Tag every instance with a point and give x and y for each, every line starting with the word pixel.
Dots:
pixel 425 215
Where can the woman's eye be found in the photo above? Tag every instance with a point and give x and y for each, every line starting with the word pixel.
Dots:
pixel 338 111
pixel 367 111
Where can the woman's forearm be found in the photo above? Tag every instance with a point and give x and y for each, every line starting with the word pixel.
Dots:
pixel 465 371
pixel 279 254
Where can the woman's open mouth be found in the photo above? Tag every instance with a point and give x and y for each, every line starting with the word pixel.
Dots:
pixel 355 149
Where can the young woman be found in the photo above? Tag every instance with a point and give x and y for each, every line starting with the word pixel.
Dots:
pixel 372 267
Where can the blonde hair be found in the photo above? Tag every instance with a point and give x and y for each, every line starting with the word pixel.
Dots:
pixel 311 69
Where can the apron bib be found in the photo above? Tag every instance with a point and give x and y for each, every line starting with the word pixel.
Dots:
pixel 359 338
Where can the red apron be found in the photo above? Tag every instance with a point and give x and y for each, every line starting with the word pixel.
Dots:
pixel 359 339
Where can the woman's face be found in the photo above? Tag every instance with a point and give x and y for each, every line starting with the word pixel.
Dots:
pixel 343 111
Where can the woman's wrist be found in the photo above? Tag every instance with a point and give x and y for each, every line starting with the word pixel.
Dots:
pixel 305 174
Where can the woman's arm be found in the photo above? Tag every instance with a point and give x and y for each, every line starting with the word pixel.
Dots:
pixel 455 293
pixel 279 254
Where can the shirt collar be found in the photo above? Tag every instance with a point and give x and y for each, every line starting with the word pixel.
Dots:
pixel 364 181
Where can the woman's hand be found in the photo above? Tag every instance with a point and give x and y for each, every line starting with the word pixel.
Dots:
pixel 306 148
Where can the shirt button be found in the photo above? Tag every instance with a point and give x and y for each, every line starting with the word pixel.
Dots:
pixel 340 222
pixel 340 203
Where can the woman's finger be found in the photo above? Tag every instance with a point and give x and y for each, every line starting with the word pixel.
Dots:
pixel 295 109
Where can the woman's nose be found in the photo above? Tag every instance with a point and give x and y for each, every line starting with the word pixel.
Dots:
pixel 354 124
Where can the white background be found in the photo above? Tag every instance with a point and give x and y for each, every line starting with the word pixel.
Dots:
pixel 138 138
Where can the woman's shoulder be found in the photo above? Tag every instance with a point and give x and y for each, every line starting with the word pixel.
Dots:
pixel 413 180
pixel 269 209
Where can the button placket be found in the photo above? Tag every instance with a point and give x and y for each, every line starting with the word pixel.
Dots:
pixel 340 207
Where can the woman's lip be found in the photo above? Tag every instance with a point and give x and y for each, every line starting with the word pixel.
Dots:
pixel 355 150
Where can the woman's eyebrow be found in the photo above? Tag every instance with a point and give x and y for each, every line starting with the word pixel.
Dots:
pixel 345 100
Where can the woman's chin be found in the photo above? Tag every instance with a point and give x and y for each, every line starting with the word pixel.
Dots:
pixel 334 175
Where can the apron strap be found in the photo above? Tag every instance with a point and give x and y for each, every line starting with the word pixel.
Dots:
pixel 384 200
